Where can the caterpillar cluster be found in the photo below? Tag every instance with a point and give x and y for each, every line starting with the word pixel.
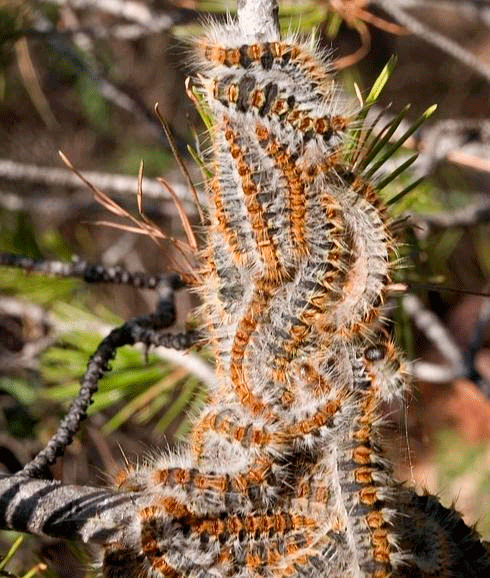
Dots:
pixel 284 475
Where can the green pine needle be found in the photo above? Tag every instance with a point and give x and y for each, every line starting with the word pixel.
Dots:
pixel 389 178
pixel 11 553
pixel 380 140
pixel 381 81
pixel 399 196
pixel 179 404
pixel 393 147
pixel 199 162
pixel 360 133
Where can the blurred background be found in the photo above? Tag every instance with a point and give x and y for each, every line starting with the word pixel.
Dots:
pixel 83 76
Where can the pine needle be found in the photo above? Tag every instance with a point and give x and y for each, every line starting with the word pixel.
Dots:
pixel 405 191
pixel 380 140
pixel 142 227
pixel 180 209
pixel 381 81
pixel 139 194
pixel 182 166
pixel 389 178
pixel 371 98
pixel 11 553
pixel 398 143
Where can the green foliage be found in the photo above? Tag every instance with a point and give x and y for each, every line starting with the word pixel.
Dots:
pixel 10 558
pixel 380 82
pixel 95 107
pixel 463 464
pixel 18 389
pixel 157 160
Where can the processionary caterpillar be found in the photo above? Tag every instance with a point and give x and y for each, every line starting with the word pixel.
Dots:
pixel 284 474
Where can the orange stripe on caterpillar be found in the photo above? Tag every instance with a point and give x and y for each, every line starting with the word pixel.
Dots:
pixel 268 56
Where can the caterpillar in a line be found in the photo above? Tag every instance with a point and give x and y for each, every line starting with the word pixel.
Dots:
pixel 284 474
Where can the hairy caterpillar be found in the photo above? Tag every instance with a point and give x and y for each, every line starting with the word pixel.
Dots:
pixel 296 268
pixel 284 475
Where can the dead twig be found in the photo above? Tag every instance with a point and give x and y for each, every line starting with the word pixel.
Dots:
pixel 15 172
pixel 428 34
pixel 431 326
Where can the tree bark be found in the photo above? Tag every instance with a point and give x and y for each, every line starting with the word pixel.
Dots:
pixel 259 20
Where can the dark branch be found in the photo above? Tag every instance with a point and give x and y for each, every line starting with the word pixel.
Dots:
pixel 146 329
pixel 89 272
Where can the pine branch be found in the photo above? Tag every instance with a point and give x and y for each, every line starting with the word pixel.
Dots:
pixel 146 329
pixel 89 272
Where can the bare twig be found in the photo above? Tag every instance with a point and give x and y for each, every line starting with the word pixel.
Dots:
pixel 31 82
pixel 460 141
pixel 80 204
pixel 430 325
pixel 146 329
pixel 141 19
pixel 434 372
pixel 459 364
pixel 111 183
pixel 433 37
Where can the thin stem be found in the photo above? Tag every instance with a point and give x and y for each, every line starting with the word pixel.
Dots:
pixel 145 329
pixel 89 272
